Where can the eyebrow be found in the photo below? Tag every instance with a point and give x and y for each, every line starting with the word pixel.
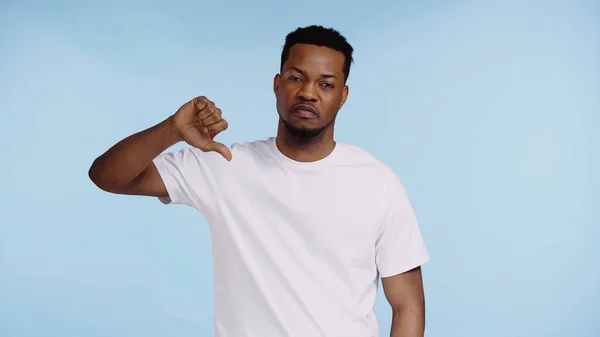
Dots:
pixel 322 75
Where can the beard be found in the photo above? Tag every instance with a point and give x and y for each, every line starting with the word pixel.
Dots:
pixel 305 134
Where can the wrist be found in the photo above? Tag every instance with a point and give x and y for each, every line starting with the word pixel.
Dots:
pixel 171 130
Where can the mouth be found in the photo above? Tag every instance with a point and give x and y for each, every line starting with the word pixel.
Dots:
pixel 304 111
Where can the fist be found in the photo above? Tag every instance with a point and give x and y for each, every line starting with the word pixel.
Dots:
pixel 198 122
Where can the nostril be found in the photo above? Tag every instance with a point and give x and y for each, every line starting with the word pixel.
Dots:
pixel 307 98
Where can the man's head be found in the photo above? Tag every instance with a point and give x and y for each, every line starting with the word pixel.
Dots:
pixel 311 86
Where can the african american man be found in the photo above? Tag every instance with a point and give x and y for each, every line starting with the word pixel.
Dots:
pixel 303 226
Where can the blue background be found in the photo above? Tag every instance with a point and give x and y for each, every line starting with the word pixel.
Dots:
pixel 488 111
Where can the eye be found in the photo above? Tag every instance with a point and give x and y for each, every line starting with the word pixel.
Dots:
pixel 328 85
pixel 294 78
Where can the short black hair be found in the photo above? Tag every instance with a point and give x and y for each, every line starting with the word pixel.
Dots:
pixel 322 37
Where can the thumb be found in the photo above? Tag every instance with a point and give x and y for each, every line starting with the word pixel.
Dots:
pixel 220 148
pixel 195 138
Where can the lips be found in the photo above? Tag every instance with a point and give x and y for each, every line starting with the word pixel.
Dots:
pixel 305 110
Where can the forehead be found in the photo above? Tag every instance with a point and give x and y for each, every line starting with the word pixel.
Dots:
pixel 313 58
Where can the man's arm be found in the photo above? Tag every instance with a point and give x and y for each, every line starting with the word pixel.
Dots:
pixel 127 168
pixel 405 294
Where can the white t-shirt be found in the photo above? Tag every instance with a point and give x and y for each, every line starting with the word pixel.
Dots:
pixel 298 247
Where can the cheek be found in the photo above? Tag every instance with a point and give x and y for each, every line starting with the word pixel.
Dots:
pixel 332 105
pixel 282 99
pixel 333 100
pixel 286 93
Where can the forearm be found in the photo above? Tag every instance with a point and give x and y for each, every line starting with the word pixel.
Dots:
pixel 127 159
pixel 408 323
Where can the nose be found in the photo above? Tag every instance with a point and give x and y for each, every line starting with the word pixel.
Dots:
pixel 308 92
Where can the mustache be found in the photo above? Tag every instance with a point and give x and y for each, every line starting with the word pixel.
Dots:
pixel 307 107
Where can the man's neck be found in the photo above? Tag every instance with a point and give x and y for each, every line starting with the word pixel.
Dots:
pixel 305 150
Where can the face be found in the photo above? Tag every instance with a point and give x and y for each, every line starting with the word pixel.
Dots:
pixel 310 90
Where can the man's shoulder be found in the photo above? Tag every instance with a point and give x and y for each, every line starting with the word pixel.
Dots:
pixel 361 157
pixel 253 145
pixel 253 148
pixel 377 172
pixel 242 152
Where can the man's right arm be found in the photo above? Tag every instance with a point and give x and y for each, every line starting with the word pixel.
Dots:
pixel 127 167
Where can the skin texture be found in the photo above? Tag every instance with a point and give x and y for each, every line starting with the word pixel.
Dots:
pixel 311 78
pixel 404 292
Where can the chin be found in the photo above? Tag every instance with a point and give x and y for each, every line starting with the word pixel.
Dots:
pixel 302 131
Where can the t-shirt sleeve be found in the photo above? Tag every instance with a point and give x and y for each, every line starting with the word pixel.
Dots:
pixel 400 246
pixel 190 177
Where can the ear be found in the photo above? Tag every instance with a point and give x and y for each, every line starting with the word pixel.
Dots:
pixel 344 95
pixel 276 83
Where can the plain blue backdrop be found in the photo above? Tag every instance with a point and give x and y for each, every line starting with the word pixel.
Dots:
pixel 488 111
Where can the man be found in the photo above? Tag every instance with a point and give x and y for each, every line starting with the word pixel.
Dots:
pixel 302 226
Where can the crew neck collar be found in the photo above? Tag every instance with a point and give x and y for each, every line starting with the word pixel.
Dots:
pixel 308 164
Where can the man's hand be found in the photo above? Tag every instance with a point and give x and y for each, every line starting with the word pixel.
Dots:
pixel 198 122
